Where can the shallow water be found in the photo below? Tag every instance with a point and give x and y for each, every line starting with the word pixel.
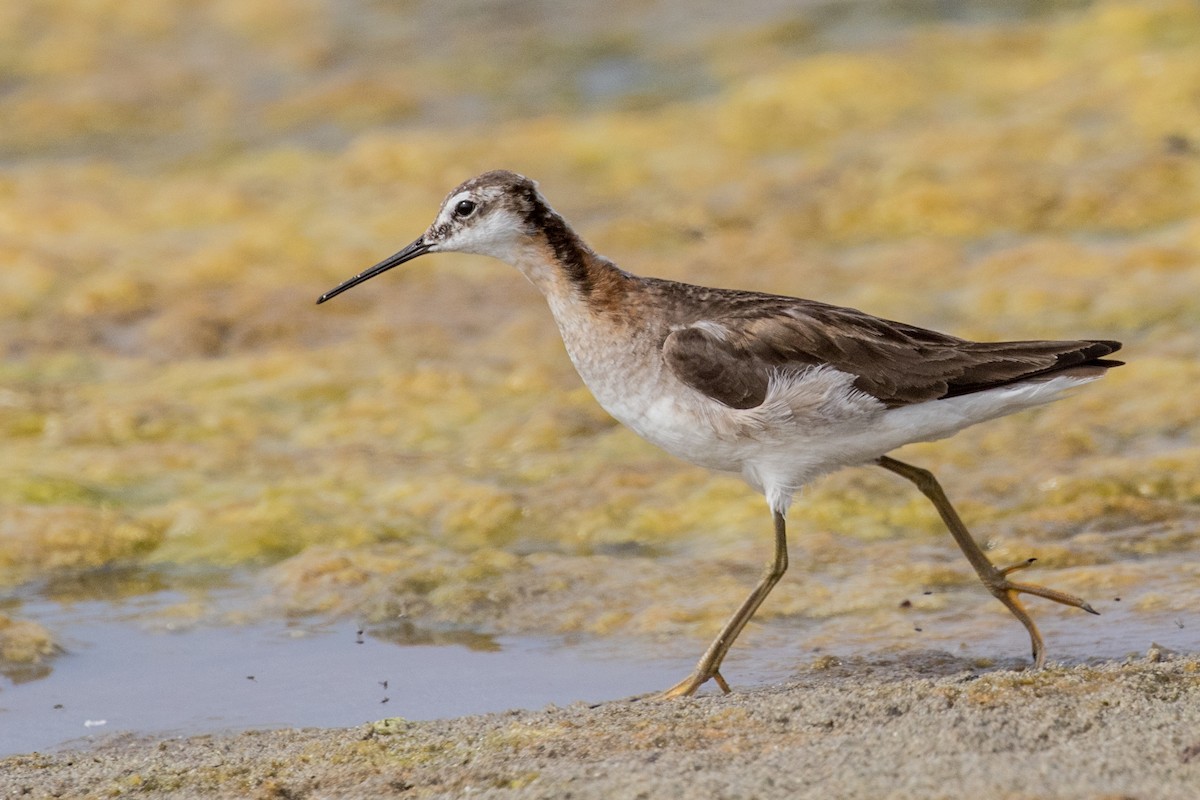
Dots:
pixel 118 677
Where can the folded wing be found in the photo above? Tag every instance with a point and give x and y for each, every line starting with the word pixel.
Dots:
pixel 730 357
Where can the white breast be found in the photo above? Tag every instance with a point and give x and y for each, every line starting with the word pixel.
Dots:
pixel 812 422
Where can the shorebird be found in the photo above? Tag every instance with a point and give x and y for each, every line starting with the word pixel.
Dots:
pixel 777 389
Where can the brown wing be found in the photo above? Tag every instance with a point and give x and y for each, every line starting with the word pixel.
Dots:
pixel 730 357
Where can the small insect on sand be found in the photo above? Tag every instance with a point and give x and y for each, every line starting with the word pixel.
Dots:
pixel 777 389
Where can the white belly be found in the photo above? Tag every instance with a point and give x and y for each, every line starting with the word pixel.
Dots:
pixel 813 421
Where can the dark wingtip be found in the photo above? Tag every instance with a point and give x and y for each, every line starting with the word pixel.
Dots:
pixel 1093 350
pixel 1096 350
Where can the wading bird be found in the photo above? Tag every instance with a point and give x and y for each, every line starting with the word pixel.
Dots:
pixel 777 389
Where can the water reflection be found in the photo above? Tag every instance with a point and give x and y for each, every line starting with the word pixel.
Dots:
pixel 410 634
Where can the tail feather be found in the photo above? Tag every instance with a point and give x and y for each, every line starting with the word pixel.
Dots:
pixel 1078 359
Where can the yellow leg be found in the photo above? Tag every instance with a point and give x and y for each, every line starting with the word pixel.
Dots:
pixel 709 665
pixel 995 579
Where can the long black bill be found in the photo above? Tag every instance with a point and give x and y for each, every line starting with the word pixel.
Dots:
pixel 417 248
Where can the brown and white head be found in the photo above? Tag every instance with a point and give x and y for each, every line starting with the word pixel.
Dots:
pixel 499 214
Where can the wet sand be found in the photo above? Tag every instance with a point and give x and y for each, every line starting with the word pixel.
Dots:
pixel 929 726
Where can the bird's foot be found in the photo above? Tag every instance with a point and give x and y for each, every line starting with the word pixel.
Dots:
pixel 1007 592
pixel 1005 585
pixel 689 685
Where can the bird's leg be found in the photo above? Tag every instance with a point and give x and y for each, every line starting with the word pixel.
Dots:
pixel 709 665
pixel 994 578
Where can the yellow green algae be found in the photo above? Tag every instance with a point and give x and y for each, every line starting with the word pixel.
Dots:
pixel 421 449
pixel 25 648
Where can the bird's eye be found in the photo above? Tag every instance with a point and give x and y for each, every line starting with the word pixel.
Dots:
pixel 464 208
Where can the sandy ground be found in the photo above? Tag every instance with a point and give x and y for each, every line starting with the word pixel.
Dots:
pixel 930 726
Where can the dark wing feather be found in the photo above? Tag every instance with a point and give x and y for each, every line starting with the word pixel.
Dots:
pixel 732 357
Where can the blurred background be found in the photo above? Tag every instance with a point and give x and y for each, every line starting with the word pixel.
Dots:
pixel 211 490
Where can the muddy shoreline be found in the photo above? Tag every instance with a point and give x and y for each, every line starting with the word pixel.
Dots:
pixel 923 727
